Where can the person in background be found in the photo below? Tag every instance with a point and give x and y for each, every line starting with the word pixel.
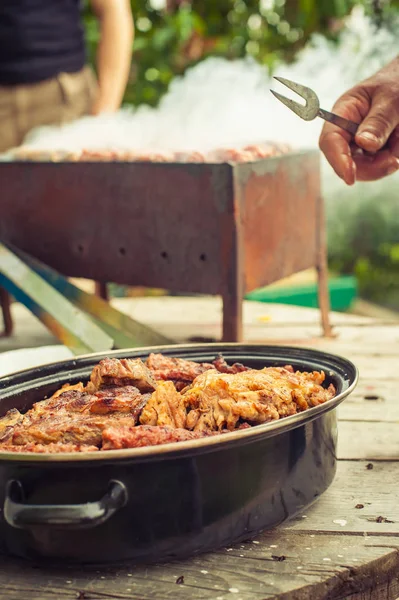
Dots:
pixel 374 104
pixel 44 79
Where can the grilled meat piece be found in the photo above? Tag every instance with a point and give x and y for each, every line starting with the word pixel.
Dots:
pixel 69 429
pixel 48 448
pixel 167 368
pixel 115 438
pixel 75 417
pixel 249 153
pixel 215 398
pixel 189 157
pixel 221 365
pixel 7 423
pixel 125 399
pixel 13 418
pixel 126 371
pixel 216 401
pixel 182 371
pixel 165 407
pixel 120 399
pixel 219 401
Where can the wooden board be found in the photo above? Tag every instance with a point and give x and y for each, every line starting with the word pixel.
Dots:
pixel 346 546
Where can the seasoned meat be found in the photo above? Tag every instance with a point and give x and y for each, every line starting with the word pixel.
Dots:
pixel 249 153
pixel 221 365
pixel 75 417
pixel 7 423
pixel 167 368
pixel 189 157
pixel 128 404
pixel 69 429
pixel 182 371
pixel 54 448
pixel 120 399
pixel 115 438
pixel 216 405
pixel 221 400
pixel 125 399
pixel 165 407
pixel 126 371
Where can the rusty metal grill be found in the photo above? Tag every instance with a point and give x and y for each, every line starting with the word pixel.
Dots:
pixel 207 228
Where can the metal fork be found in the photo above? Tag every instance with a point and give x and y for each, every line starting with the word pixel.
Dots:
pixel 311 109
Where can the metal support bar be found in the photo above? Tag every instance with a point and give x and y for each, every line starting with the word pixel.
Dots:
pixel 125 331
pixel 69 324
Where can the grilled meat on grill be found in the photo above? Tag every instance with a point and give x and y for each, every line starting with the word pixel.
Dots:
pixel 128 404
pixel 249 153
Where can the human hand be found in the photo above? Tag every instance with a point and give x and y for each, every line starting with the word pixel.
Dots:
pixel 375 104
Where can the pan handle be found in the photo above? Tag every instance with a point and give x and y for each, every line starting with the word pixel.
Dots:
pixel 68 516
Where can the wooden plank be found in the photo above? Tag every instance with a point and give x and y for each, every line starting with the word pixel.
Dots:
pixel 368 440
pixel 364 346
pixel 376 490
pixel 372 400
pixel 208 309
pixel 377 411
pixel 322 559
pixel 334 550
pixel 244 572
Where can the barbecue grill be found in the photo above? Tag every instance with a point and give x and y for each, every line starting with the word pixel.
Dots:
pixel 223 229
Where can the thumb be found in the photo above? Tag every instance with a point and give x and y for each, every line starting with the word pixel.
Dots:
pixel 374 131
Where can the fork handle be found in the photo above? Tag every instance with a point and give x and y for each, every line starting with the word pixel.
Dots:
pixel 349 126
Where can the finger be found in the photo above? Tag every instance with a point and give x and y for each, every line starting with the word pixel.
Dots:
pixel 377 126
pixel 372 168
pixel 393 143
pixel 335 146
pixel 335 142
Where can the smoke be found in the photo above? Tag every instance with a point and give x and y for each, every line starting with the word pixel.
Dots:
pixel 221 103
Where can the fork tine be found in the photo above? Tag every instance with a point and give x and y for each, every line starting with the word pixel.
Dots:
pixel 312 107
pixel 305 92
pixel 297 108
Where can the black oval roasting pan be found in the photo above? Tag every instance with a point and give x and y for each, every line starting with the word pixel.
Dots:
pixel 165 502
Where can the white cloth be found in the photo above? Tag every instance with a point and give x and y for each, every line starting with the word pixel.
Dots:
pixel 26 358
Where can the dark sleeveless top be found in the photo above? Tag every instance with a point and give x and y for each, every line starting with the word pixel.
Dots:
pixel 40 39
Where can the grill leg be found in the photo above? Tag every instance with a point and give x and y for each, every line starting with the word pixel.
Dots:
pixel 232 317
pixel 5 302
pixel 322 274
pixel 102 290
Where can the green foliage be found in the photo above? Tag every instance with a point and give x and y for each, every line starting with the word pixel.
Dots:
pixel 171 40
pixel 366 242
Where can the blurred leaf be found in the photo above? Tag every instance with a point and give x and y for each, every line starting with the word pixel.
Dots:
pixel 193 30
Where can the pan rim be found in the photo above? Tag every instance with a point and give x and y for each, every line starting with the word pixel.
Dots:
pixel 201 445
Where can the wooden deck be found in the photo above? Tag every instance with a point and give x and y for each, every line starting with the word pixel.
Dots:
pixel 345 547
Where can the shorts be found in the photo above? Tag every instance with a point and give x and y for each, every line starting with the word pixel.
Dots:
pixel 52 102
